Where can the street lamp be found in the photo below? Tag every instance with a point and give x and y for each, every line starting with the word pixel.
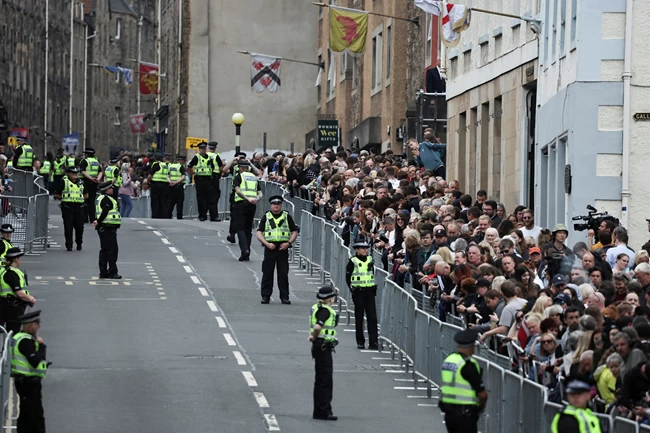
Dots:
pixel 238 121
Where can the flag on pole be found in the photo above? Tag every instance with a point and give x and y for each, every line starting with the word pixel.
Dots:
pixel 265 73
pixel 136 121
pixel 126 73
pixel 348 30
pixel 455 18
pixel 148 78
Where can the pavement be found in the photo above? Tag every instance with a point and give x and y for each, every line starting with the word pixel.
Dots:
pixel 182 343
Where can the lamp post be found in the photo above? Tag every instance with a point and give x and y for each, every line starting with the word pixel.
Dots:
pixel 238 121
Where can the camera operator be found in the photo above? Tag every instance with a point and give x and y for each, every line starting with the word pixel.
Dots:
pixel 606 225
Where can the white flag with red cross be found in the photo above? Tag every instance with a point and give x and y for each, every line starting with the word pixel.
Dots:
pixel 265 73
pixel 455 18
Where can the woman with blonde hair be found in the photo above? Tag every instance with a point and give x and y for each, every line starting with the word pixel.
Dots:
pixel 541 304
pixel 486 248
pixel 446 255
pixel 586 290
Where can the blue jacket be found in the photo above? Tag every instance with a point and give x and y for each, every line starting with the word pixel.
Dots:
pixel 429 158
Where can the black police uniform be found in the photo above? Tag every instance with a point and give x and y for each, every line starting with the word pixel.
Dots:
pixel 204 191
pixel 5 244
pixel 321 351
pixel 90 188
pixel 243 216
pixel 17 153
pixel 216 178
pixel 109 248
pixel 177 194
pixel 364 304
pixel 73 215
pixel 12 307
pixel 29 389
pixel 276 258
pixel 159 192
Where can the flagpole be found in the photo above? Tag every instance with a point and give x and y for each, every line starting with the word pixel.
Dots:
pixel 519 17
pixel 320 65
pixel 137 139
pixel 415 21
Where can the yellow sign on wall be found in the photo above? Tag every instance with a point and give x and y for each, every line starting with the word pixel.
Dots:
pixel 193 142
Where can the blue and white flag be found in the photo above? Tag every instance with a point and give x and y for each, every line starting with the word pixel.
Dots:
pixel 126 73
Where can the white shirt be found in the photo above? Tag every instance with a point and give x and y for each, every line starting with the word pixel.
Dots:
pixel 615 251
pixel 534 232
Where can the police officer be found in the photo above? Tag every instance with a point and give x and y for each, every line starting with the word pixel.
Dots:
pixel 112 174
pixel 23 155
pixel 360 277
pixel 14 296
pixel 201 167
pixel 177 187
pixel 107 223
pixel 576 416
pixel 322 334
pixel 71 192
pixel 247 193
pixel 28 368
pixel 59 167
pixel 232 166
pixel 216 174
pixel 462 395
pixel 71 161
pixel 159 181
pixel 277 232
pixel 92 175
pixel 45 171
pixel 6 231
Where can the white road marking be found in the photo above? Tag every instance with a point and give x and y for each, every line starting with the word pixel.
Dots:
pixel 220 322
pixel 161 293
pixel 389 365
pixel 271 422
pixel 188 269
pixel 133 299
pixel 165 241
pixel 163 298
pixel 229 339
pixel 427 405
pixel 157 233
pixel 141 222
pixel 195 279
pixel 173 250
pixel 212 305
pixel 394 371
pixel 203 291
pixel 149 227
pixel 416 396
pixel 261 400
pixel 410 387
pixel 181 259
pixel 239 357
pixel 379 357
pixel 250 380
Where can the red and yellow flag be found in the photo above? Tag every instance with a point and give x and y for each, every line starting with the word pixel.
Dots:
pixel 348 30
pixel 148 78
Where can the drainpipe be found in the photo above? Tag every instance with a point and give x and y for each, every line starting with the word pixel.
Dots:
pixel 627 77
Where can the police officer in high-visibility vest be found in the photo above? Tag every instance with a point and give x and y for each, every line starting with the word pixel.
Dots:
pixel 216 173
pixel 322 333
pixel 201 167
pixel 247 193
pixel 6 231
pixel 23 155
pixel 177 187
pixel 28 368
pixel 277 232
pixel 462 395
pixel 112 174
pixel 360 277
pixel 107 224
pixel 91 172
pixel 71 192
pixel 14 296
pixel 58 168
pixel 71 161
pixel 45 171
pixel 233 168
pixel 576 417
pixel 159 181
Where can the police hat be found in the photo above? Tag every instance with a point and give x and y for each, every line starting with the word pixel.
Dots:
pixel 103 187
pixel 181 157
pixel 577 387
pixel 32 316
pixel 360 245
pixel 167 155
pixel 202 145
pixel 6 228
pixel 89 150
pixel 59 151
pixel 13 253
pixel 276 199
pixel 212 144
pixel 466 338
pixel 72 170
pixel 158 155
pixel 240 155
pixel 114 160
pixel 326 292
pixel 243 163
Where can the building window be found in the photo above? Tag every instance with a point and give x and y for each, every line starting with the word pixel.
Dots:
pixel 118 115
pixel 320 79
pixel 554 42
pixel 389 50
pixel 331 76
pixel 574 21
pixel 377 48
pixel 562 25
pixel 547 30
pixel 429 30
pixel 118 29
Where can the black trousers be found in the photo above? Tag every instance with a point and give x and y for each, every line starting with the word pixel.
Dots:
pixel 323 382
pixel 10 309
pixel 457 422
pixel 90 188
pixel 73 219
pixel 177 195
pixel 364 303
pixel 108 250
pixel 56 181
pixel 31 418
pixel 244 213
pixel 205 197
pixel 159 199
pixel 231 227
pixel 46 181
pixel 272 259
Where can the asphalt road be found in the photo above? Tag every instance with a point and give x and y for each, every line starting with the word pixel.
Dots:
pixel 182 343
